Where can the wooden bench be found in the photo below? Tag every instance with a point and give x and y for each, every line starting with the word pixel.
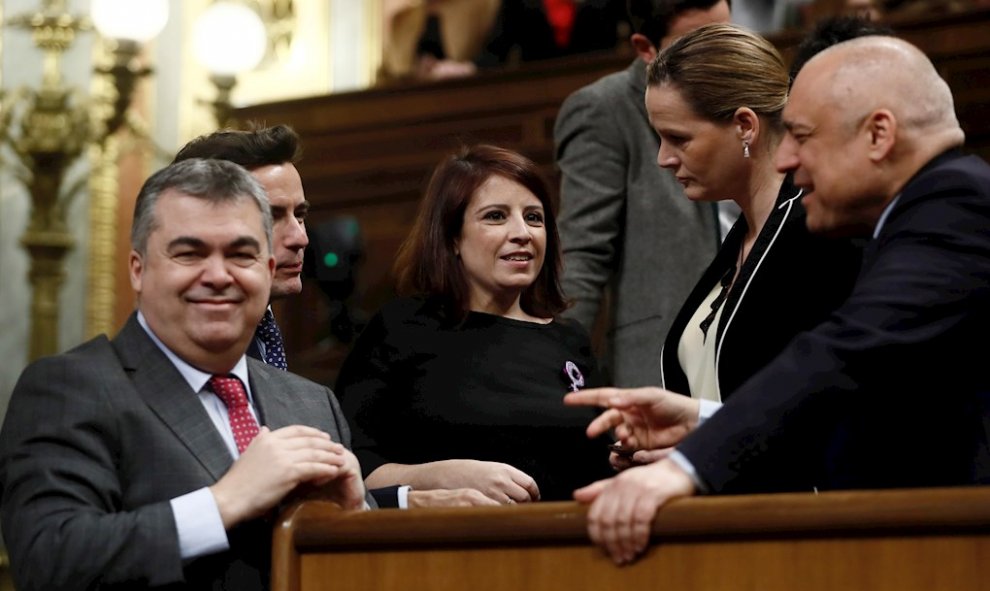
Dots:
pixel 903 540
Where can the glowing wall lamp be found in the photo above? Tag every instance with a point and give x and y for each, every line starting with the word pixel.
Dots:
pixel 49 128
pixel 229 38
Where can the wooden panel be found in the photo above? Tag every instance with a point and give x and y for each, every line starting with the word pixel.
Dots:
pixel 370 153
pixel 923 563
pixel 921 539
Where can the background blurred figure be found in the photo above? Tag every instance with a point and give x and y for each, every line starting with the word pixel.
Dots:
pixel 463 28
pixel 868 10
pixel 435 39
pixel 830 31
pixel 530 30
pixel 874 140
pixel 461 384
pixel 770 16
pixel 625 226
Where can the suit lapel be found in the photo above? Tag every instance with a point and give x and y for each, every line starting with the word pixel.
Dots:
pixel 169 396
pixel 784 209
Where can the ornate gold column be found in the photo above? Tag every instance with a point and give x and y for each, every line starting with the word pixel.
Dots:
pixel 52 134
pixel 103 202
pixel 50 128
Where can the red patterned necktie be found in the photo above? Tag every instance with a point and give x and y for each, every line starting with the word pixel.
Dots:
pixel 242 423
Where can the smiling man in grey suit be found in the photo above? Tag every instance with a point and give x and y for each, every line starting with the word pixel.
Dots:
pixel 156 459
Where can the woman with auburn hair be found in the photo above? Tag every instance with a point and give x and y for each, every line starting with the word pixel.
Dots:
pixel 458 384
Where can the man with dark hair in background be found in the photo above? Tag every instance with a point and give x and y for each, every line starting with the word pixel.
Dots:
pixel 625 225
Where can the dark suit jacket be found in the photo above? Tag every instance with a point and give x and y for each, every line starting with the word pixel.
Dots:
pixel 892 390
pixel 789 283
pixel 96 442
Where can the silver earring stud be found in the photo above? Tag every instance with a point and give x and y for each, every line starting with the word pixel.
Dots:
pixel 745 149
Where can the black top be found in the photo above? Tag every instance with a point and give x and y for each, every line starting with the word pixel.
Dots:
pixel 418 388
pixel 789 283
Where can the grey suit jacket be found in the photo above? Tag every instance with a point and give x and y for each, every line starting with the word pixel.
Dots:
pixel 97 441
pixel 625 225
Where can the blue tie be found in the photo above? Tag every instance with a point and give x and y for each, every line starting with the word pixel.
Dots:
pixel 271 338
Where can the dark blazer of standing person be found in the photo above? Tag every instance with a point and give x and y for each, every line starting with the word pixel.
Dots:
pixel 157 459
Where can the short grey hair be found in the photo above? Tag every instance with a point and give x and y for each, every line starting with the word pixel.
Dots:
pixel 216 181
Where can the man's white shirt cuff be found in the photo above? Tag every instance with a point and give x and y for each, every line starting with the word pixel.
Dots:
pixel 403 496
pixel 200 527
pixel 685 464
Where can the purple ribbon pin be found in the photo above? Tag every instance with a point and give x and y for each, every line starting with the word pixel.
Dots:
pixel 574 375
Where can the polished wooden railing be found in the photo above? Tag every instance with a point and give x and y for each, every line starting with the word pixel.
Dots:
pixel 924 539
